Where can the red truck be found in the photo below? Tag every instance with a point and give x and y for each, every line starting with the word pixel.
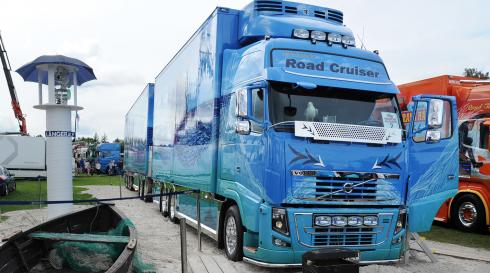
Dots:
pixel 469 209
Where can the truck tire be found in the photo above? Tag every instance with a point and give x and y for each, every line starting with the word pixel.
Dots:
pixel 233 234
pixel 172 210
pixel 468 213
pixel 165 211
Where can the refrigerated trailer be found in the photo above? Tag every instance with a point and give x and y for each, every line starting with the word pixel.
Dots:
pixel 23 156
pixel 293 136
pixel 138 139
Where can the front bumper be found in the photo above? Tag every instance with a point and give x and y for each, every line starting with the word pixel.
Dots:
pixel 376 244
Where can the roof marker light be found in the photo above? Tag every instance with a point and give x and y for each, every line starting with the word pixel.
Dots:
pixel 301 33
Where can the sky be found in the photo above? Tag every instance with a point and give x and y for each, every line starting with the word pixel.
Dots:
pixel 128 43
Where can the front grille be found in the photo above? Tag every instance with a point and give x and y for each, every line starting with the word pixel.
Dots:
pixel 346 186
pixel 343 236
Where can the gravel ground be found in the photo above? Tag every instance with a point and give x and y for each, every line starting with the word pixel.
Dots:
pixel 159 241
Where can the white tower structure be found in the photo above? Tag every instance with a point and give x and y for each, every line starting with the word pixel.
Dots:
pixel 58 132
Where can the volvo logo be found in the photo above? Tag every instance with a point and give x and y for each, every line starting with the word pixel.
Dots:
pixel 348 187
pixel 303 172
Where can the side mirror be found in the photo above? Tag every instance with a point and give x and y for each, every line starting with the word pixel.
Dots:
pixel 436 112
pixel 243 127
pixel 242 103
pixel 432 136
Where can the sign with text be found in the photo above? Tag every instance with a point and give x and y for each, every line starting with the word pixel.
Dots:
pixel 329 66
pixel 59 134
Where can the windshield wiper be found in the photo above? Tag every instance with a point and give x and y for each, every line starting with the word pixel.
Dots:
pixel 288 122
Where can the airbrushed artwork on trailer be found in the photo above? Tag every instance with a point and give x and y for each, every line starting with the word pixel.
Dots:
pixel 185 108
pixel 138 132
pixel 473 129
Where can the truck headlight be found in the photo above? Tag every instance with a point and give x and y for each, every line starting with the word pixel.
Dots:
pixel 301 33
pixel 400 222
pixel 340 221
pixel 370 220
pixel 323 221
pixel 354 221
pixel 280 221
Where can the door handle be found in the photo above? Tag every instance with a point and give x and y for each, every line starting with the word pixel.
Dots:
pixel 237 168
pixel 451 176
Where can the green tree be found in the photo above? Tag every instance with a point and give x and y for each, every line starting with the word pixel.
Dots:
pixel 475 73
pixel 104 138
pixel 96 138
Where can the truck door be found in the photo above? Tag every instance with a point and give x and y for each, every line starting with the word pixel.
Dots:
pixel 433 151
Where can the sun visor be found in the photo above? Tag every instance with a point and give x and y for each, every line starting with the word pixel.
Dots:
pixel 329 70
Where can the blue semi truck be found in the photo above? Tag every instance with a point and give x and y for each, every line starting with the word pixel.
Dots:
pixel 294 137
pixel 138 139
pixel 107 153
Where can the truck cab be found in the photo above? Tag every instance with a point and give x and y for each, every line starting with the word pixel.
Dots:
pixel 312 147
pixel 107 153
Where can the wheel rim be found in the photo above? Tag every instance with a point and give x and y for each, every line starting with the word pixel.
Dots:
pixel 467 214
pixel 230 235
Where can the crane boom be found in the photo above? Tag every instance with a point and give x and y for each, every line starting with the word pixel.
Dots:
pixel 13 94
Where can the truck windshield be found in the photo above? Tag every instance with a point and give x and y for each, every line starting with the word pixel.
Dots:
pixel 333 105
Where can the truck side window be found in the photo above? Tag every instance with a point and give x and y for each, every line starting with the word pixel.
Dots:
pixel 257 109
pixel 421 116
pixel 258 104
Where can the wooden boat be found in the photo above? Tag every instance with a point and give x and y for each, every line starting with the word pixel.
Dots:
pixel 97 239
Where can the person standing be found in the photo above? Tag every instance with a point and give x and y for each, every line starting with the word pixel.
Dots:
pixel 97 167
pixel 82 165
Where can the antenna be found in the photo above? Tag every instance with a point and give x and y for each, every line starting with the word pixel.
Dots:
pixel 361 39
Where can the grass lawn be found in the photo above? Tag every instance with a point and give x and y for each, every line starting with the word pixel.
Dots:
pixel 447 234
pixel 33 190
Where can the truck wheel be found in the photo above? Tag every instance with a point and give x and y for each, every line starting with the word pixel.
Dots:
pixel 172 208
pixel 233 234
pixel 468 213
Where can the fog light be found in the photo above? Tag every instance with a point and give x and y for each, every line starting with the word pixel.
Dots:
pixel 370 220
pixel 323 221
pixel 340 221
pixel 279 242
pixel 354 221
pixel 301 33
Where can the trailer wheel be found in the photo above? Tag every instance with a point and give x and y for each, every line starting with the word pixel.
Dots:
pixel 165 210
pixel 468 213
pixel 233 234
pixel 172 208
